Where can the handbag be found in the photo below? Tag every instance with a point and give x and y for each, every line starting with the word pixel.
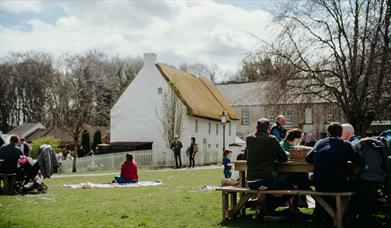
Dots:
pixel 188 151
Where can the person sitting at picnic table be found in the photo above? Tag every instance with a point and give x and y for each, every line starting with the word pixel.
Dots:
pixel 278 129
pixel 261 153
pixel 128 171
pixel 300 180
pixel 10 154
pixel 348 133
pixel 330 158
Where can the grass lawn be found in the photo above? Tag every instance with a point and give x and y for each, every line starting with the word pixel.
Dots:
pixel 178 203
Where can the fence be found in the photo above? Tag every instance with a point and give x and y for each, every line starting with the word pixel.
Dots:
pixel 107 161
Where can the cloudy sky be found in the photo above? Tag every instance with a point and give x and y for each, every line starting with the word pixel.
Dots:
pixel 209 32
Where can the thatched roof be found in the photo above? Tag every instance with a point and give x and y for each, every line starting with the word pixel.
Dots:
pixel 201 98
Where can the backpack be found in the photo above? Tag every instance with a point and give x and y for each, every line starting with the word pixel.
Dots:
pixel 373 154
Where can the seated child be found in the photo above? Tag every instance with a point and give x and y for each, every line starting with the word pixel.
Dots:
pixel 128 171
pixel 232 180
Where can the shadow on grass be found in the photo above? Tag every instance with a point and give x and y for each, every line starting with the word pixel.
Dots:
pixel 250 221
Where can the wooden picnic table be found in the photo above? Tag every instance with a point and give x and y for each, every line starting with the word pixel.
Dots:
pixel 287 167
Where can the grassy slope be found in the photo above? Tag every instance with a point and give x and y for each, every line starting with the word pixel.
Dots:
pixel 179 203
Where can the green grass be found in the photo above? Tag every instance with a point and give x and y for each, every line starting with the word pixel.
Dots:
pixel 178 203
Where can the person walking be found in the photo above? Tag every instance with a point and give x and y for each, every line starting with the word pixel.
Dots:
pixel 193 149
pixel 176 147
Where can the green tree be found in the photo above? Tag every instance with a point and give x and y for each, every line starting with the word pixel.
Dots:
pixel 85 142
pixel 97 140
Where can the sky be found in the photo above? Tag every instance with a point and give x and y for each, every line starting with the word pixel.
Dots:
pixel 210 32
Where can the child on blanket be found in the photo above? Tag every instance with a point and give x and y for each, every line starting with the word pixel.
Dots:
pixel 128 171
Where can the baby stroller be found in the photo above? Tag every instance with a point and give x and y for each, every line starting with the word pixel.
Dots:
pixel 28 179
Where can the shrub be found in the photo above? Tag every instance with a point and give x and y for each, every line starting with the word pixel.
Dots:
pixel 50 140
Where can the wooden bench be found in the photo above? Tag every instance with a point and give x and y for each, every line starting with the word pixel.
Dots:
pixel 232 206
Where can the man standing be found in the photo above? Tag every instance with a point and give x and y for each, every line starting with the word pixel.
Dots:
pixel 176 147
pixel 262 151
pixel 278 129
pixel 10 154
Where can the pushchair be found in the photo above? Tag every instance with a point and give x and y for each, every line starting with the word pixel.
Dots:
pixel 28 179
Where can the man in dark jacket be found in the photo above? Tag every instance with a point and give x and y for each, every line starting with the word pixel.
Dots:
pixel 176 147
pixel 330 157
pixel 278 129
pixel 10 154
pixel 262 152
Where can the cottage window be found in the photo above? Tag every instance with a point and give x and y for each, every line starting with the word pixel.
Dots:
pixel 288 116
pixel 229 129
pixel 210 128
pixel 217 129
pixel 308 116
pixel 245 117
pixel 159 90
pixel 270 117
pixel 196 126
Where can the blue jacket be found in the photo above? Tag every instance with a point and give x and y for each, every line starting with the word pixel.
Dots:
pixel 278 131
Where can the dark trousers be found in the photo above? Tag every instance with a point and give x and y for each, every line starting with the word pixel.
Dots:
pixel 272 202
pixel 9 184
pixel 364 203
pixel 191 162
pixel 178 160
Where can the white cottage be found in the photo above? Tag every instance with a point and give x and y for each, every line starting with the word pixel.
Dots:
pixel 136 117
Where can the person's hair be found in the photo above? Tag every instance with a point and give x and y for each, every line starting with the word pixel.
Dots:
pixel 193 139
pixel 279 117
pixel 226 152
pixel 14 139
pixel 240 157
pixel 348 128
pixel 294 133
pixel 334 129
pixel 129 157
pixel 263 124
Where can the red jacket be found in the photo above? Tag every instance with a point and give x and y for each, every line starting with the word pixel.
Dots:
pixel 129 170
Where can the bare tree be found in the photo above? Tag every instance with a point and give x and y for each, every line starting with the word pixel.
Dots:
pixel 340 53
pixel 172 114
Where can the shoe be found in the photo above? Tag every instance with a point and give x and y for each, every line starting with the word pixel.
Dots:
pixel 262 188
pixel 271 218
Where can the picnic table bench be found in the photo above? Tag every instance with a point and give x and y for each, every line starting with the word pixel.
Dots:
pixel 231 206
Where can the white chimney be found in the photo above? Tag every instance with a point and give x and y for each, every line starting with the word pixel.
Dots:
pixel 149 58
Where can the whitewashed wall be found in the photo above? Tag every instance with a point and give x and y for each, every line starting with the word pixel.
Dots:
pixel 135 115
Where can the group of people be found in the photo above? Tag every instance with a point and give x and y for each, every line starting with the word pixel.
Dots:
pixel 191 151
pixel 329 156
pixel 17 153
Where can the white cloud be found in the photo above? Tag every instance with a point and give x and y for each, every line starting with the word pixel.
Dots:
pixel 205 32
pixel 19 7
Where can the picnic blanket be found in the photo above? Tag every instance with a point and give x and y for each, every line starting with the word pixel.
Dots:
pixel 88 185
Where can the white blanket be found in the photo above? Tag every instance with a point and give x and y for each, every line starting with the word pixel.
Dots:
pixel 88 185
